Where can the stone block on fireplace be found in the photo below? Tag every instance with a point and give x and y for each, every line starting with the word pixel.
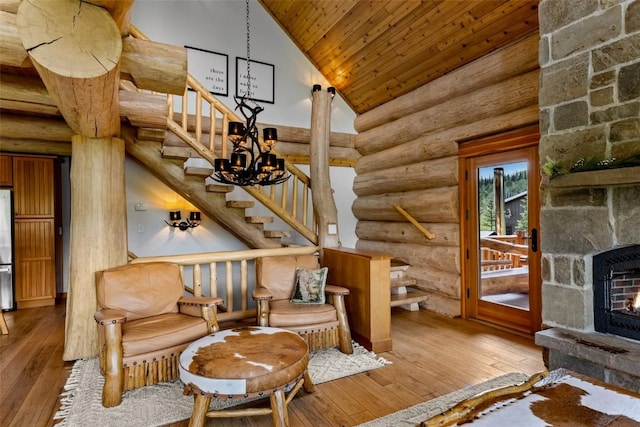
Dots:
pixel 604 357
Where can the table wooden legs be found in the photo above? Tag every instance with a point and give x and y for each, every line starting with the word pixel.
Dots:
pixel 200 408
pixel 308 385
pixel 279 412
pixel 278 409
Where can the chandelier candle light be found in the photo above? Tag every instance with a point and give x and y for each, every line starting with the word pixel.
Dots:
pixel 252 161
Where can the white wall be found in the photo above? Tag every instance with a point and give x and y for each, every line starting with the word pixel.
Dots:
pixel 220 26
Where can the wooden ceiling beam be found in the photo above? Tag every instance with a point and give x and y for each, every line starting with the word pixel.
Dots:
pixel 12 52
pixel 34 128
pixel 76 48
pixel 154 66
pixel 29 91
pixel 35 146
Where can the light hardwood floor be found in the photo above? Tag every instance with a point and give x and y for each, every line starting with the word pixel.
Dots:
pixel 432 355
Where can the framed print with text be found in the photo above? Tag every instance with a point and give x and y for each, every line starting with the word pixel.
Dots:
pixel 211 69
pixel 262 78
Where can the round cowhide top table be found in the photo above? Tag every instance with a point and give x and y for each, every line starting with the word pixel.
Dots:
pixel 245 362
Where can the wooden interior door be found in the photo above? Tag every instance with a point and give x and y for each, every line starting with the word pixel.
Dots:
pixel 500 181
pixel 34 231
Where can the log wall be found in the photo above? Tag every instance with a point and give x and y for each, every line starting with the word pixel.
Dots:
pixel 409 156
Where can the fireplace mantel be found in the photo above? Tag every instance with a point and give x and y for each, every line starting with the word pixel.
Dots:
pixel 599 178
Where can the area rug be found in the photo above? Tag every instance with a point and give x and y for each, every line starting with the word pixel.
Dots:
pixel 160 404
pixel 559 397
pixel 416 414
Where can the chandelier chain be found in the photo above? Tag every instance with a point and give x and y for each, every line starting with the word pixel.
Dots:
pixel 248 52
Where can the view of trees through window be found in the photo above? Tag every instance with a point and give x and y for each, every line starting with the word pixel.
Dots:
pixel 514 193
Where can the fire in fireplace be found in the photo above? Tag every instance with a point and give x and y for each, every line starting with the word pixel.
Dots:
pixel 634 304
pixel 616 291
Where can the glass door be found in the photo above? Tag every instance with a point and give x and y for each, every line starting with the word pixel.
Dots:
pixel 502 271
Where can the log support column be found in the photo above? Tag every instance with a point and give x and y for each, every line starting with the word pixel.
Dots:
pixel 98 234
pixel 77 48
pixel 324 205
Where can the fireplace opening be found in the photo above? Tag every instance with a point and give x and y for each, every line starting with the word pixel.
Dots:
pixel 616 291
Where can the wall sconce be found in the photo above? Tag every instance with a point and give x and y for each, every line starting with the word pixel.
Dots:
pixel 192 222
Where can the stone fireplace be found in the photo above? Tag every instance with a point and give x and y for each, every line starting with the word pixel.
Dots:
pixel 589 108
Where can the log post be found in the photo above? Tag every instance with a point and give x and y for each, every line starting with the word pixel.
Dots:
pixel 324 205
pixel 98 234
pixel 76 48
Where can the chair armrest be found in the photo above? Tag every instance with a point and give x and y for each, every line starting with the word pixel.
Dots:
pixel 109 315
pixel 262 297
pixel 336 290
pixel 260 293
pixel 200 301
pixel 204 307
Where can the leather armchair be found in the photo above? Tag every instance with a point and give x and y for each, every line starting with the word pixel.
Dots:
pixel 144 323
pixel 321 325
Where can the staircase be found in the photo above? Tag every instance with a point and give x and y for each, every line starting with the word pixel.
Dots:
pixel 404 293
pixel 181 155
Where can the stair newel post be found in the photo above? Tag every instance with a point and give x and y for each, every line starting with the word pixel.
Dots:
pixel 324 205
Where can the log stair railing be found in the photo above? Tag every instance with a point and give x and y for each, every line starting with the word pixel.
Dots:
pixel 404 292
pixel 202 137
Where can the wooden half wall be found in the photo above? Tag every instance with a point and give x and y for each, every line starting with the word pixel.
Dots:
pixel 409 157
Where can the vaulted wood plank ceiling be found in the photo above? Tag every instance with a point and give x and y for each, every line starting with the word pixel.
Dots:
pixel 373 51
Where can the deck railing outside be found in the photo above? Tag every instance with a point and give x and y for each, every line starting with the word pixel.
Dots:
pixel 503 252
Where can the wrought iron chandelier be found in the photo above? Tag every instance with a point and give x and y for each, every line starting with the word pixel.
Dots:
pixel 251 161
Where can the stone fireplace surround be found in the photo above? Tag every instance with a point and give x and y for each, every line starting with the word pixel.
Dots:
pixel 578 222
pixel 589 107
pixel 583 215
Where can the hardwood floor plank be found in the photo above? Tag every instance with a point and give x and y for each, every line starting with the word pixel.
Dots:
pixel 342 398
pixel 432 355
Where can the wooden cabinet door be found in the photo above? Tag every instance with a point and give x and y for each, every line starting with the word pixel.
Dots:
pixel 6 171
pixel 35 262
pixel 34 231
pixel 33 186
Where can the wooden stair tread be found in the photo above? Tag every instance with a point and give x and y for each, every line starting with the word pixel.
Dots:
pixel 399 266
pixel 198 170
pixel 219 188
pixel 241 204
pixel 412 296
pixel 277 233
pixel 151 134
pixel 402 281
pixel 259 219
pixel 172 152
